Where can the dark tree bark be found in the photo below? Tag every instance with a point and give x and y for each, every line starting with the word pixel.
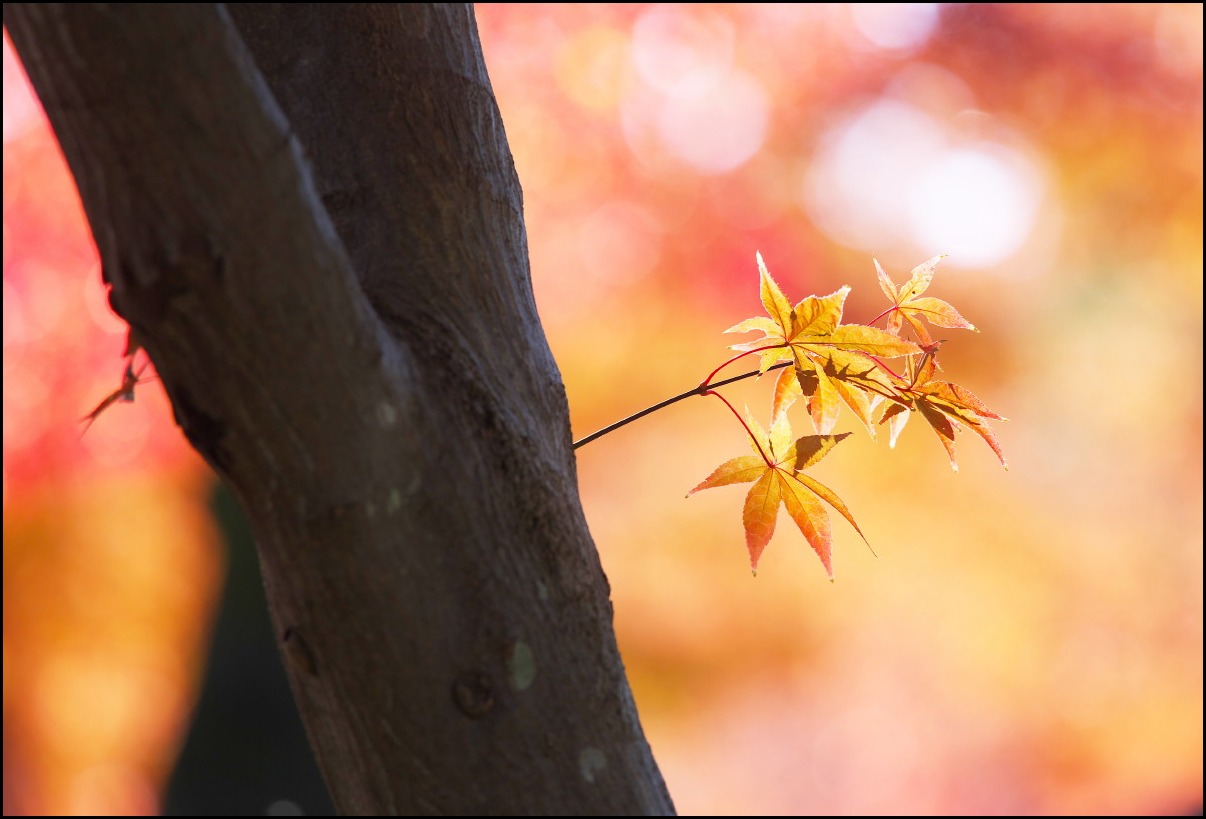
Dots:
pixel 311 220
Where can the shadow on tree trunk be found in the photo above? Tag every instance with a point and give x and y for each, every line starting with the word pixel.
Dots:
pixel 246 751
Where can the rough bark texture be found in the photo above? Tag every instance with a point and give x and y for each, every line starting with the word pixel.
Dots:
pixel 310 217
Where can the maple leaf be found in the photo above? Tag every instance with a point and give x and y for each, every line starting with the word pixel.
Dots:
pixel 776 471
pixel 855 379
pixel 945 406
pixel 908 307
pixel 813 326
pixel 823 351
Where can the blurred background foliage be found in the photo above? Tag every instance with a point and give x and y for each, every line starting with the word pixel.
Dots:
pixel 1027 642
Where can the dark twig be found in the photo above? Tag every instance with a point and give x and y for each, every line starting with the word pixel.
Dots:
pixel 702 389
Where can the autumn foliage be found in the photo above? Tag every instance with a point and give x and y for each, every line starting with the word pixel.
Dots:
pixel 829 364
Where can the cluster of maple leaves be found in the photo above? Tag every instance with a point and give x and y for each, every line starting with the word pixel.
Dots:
pixel 829 363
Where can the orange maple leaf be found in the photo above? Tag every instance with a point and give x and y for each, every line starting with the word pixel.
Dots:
pixel 945 406
pixel 822 349
pixel 776 470
pixel 906 306
pixel 854 378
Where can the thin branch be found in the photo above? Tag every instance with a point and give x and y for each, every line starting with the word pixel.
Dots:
pixel 708 381
pixel 702 389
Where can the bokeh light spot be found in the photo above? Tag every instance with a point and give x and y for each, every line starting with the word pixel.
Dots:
pixel 895 25
pixel 719 131
pixel 679 52
pixel 856 184
pixel 284 807
pixel 978 204
pixel 893 173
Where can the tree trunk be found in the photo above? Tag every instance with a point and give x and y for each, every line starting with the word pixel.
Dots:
pixel 311 220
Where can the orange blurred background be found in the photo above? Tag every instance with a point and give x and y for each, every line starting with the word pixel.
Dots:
pixel 1027 642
